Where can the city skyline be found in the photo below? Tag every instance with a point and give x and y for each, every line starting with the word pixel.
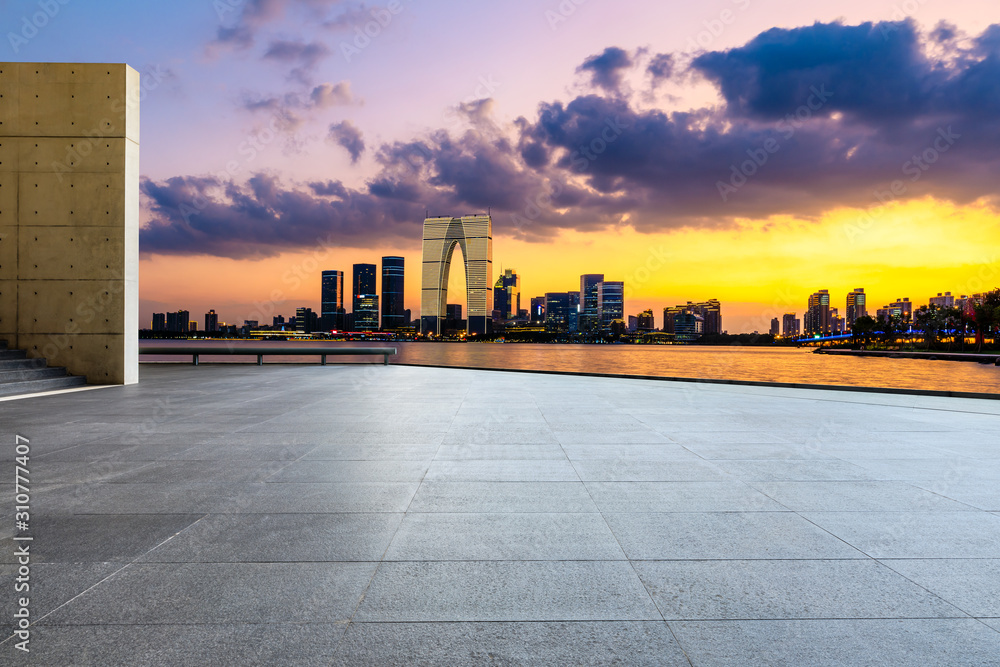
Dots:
pixel 666 149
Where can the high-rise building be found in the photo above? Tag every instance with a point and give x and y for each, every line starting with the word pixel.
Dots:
pixel 159 322
pixel 573 312
pixel 590 319
pixel 192 325
pixel 856 306
pixel 507 295
pixel 332 300
pixel 688 326
pixel 392 293
pixel 557 311
pixel 775 327
pixel 645 321
pixel 178 322
pixel 817 319
pixel 790 325
pixel 305 320
pixel 946 300
pixel 901 308
pixel 610 302
pixel 710 312
pixel 474 235
pixel 538 310
pixel 211 321
pixel 363 296
pixel 366 312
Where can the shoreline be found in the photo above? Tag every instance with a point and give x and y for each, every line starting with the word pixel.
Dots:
pixel 992 358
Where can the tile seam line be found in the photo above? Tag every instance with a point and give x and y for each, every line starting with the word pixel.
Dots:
pixel 898 391
pixel 388 545
pixel 631 565
pixel 112 574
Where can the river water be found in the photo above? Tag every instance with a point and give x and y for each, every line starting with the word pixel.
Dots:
pixel 730 363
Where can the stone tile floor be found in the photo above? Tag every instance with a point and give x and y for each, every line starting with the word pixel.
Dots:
pixel 361 514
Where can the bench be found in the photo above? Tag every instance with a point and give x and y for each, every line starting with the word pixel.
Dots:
pixel 196 351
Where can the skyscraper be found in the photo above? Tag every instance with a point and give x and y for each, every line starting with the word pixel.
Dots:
pixel 305 320
pixel 366 312
pixel 590 320
pixel 855 306
pixel 474 235
pixel 645 321
pixel 775 326
pixel 211 321
pixel 610 302
pixel 537 309
pixel 392 293
pixel 507 295
pixel 557 311
pixel 178 322
pixel 790 325
pixel 363 288
pixel 817 318
pixel 332 300
pixel 159 322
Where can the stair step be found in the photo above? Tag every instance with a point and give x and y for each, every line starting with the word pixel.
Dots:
pixel 15 375
pixel 47 384
pixel 19 364
pixel 13 354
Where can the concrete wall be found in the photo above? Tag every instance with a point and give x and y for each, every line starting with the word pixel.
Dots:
pixel 69 216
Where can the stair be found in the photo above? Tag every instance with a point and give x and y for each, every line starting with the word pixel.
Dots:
pixel 20 375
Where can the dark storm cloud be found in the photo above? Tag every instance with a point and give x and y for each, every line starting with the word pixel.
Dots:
pixel 812 119
pixel 661 67
pixel 349 137
pixel 606 69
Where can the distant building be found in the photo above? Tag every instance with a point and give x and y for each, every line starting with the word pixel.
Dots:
pixel 363 285
pixel 278 322
pixel 192 326
pixel 178 322
pixel 507 295
pixel 366 312
pixel 211 321
pixel 590 320
pixel 537 310
pixel 644 322
pixel 610 303
pixel 901 308
pixel 945 300
pixel 790 325
pixel 332 300
pixel 710 312
pixel 573 312
pixel 856 306
pixel 305 320
pixel 453 321
pixel 775 327
pixel 817 319
pixel 688 327
pixel 392 293
pixel 838 325
pixel 159 322
pixel 633 324
pixel 557 312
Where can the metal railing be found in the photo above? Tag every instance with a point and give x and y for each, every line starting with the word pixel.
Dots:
pixel 196 351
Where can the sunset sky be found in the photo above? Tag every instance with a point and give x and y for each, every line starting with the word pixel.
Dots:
pixel 753 151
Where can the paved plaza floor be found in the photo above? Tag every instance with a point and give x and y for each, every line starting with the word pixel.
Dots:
pixel 360 514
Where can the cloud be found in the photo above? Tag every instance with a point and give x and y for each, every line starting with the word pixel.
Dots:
pixel 302 56
pixel 242 21
pixel 347 135
pixel 331 94
pixel 812 119
pixel 660 68
pixel 606 69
